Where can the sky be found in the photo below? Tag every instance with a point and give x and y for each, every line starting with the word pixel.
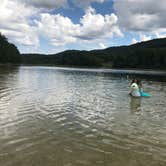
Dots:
pixel 52 26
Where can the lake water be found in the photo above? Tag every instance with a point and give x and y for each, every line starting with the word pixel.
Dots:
pixel 80 117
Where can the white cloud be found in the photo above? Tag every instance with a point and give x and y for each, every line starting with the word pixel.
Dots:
pixel 134 41
pixel 54 4
pixel 23 22
pixel 46 4
pixel 141 15
pixel 160 35
pixel 142 37
pixel 102 45
pixel 14 23
pixel 57 28
pixel 94 26
pixel 61 30
pixel 145 18
pixel 85 3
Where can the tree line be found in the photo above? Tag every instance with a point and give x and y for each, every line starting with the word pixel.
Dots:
pixel 8 52
pixel 150 54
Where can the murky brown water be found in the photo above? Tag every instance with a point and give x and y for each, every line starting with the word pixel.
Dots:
pixel 55 117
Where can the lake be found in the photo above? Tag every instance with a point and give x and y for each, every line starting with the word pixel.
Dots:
pixel 53 116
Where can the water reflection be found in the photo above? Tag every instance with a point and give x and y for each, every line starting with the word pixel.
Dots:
pixel 8 106
pixel 135 104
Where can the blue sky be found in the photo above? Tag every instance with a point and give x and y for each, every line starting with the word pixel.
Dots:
pixel 39 26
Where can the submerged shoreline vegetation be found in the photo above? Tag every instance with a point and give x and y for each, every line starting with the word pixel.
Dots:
pixel 145 55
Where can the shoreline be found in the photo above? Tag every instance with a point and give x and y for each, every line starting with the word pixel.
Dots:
pixel 84 67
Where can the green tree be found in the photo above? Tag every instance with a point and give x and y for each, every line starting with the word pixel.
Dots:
pixel 8 51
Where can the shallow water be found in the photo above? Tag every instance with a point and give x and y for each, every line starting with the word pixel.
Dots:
pixel 69 117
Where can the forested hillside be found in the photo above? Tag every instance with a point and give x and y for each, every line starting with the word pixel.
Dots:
pixel 150 54
pixel 8 52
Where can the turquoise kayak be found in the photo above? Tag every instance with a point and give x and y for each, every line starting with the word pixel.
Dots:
pixel 143 94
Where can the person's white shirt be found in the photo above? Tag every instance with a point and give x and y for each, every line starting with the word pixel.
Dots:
pixel 134 90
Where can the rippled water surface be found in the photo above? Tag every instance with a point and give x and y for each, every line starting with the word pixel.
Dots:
pixel 61 117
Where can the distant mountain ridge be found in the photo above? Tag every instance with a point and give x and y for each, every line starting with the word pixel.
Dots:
pixel 149 54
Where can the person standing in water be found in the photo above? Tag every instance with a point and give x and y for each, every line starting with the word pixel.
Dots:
pixel 136 88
